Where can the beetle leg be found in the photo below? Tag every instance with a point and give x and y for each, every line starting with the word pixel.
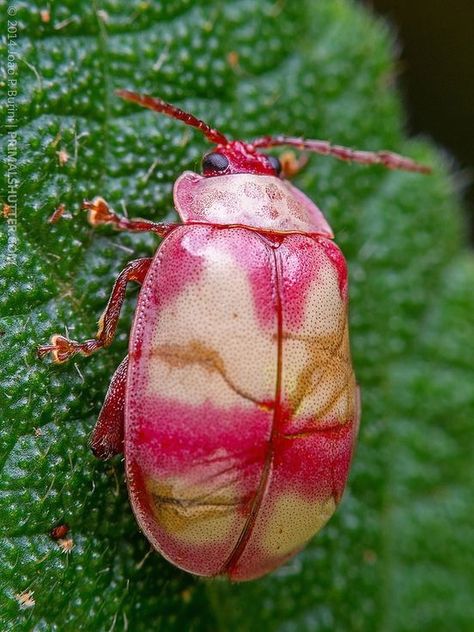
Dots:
pixel 291 164
pixel 99 213
pixel 61 348
pixel 107 437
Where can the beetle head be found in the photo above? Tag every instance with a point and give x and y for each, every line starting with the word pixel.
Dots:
pixel 229 157
pixel 232 198
pixel 238 157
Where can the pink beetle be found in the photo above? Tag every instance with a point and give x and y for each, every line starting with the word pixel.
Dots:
pixel 236 406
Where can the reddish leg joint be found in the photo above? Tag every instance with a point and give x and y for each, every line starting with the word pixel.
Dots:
pixel 62 348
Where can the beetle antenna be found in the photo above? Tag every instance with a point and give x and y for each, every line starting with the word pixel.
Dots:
pixel 158 105
pixel 386 158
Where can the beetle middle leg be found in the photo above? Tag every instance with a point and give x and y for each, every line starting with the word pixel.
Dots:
pixel 62 348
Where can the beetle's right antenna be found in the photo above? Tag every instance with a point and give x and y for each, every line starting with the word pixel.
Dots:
pixel 386 158
pixel 158 105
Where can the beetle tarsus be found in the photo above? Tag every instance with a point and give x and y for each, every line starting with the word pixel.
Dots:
pixel 62 349
pixel 99 212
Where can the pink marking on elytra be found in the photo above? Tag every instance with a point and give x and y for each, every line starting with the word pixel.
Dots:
pixel 212 449
pixel 303 259
pixel 301 263
pixel 191 435
pixel 313 468
pixel 218 452
pixel 316 460
pixel 179 262
pixel 200 557
pixel 174 263
pixel 253 254
pixel 337 258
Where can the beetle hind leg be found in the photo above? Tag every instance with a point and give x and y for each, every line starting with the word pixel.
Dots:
pixel 107 437
pixel 62 348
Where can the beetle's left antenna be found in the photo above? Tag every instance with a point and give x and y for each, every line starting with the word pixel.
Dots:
pixel 158 105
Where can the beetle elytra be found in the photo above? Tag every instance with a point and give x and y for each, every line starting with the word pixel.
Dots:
pixel 236 406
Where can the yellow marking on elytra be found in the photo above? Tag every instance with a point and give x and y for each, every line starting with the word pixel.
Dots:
pixel 191 516
pixel 293 521
pixel 327 356
pixel 244 376
pixel 195 352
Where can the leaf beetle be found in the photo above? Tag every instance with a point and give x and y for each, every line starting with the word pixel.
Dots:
pixel 236 407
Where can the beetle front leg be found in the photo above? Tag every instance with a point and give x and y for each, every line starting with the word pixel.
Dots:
pixel 291 164
pixel 107 437
pixel 62 348
pixel 100 213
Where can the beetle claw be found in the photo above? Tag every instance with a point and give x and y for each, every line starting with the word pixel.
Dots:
pixel 61 349
pixel 99 212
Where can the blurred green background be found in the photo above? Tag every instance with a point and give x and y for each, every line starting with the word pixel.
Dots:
pixel 436 75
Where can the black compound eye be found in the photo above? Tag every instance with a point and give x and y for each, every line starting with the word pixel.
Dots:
pixel 275 163
pixel 214 162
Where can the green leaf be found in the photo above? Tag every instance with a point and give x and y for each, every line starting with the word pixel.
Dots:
pixel 398 555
